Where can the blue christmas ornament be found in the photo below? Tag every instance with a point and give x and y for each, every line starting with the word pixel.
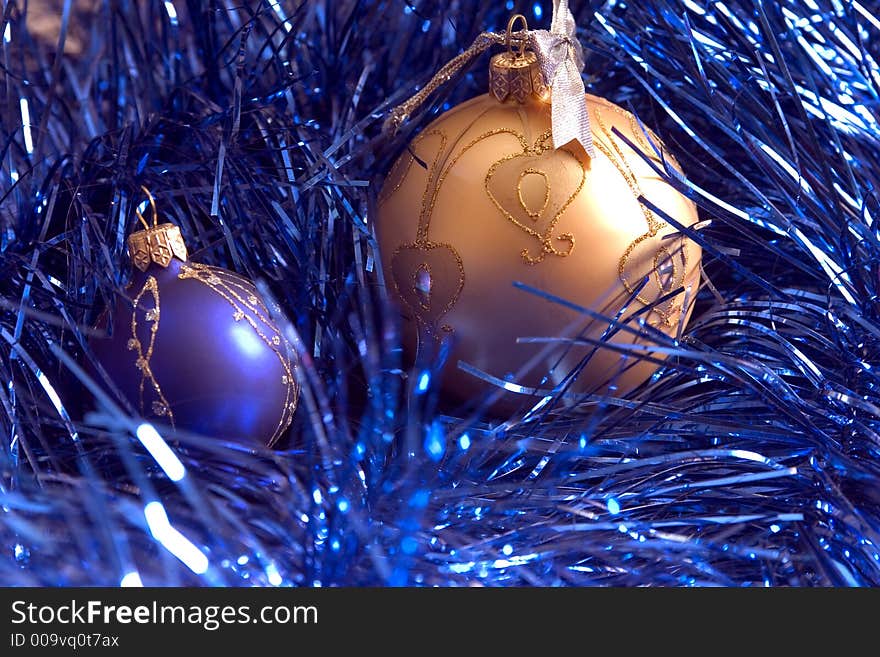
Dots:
pixel 195 347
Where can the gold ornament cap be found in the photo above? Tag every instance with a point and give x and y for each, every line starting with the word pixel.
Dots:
pixel 158 243
pixel 516 73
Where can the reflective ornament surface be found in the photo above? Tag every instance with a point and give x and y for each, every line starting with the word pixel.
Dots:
pixel 481 200
pixel 194 347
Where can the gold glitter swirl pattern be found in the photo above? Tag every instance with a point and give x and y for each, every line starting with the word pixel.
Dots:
pixel 414 264
pixel 533 214
pixel 665 279
pixel 414 269
pixel 430 298
pixel 397 174
pixel 420 267
pixel 149 293
pixel 544 237
pixel 246 306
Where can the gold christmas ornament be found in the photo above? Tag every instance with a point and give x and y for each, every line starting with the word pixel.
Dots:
pixel 481 199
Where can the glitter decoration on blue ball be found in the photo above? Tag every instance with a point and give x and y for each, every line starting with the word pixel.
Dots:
pixel 194 347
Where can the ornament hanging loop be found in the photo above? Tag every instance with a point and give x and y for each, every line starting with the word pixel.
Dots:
pixel 152 207
pixel 545 66
pixel 516 46
pixel 516 74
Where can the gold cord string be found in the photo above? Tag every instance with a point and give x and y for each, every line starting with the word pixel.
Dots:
pixel 401 114
pixel 152 207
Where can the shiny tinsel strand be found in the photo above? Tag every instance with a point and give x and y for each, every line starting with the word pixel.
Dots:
pixel 751 459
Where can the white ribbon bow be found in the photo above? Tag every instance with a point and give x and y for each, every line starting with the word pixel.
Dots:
pixel 561 59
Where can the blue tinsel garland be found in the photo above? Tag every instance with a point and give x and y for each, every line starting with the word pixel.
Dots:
pixel 753 459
